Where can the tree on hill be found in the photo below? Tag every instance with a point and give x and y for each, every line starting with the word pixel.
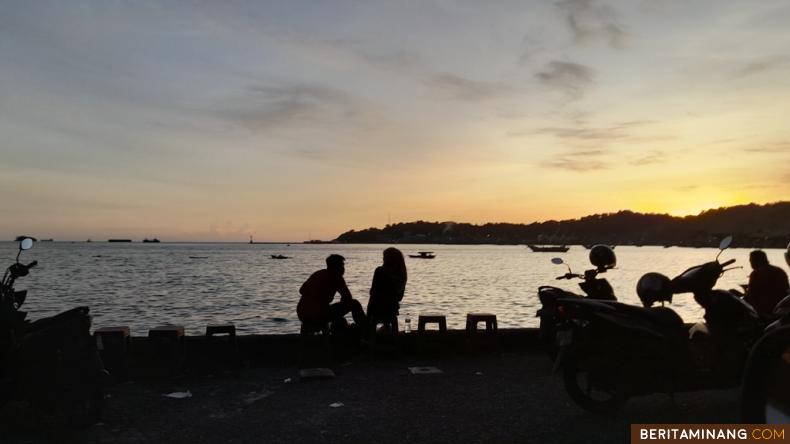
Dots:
pixel 752 225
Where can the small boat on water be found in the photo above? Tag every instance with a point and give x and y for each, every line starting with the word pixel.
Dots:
pixel 548 248
pixel 151 241
pixel 423 255
pixel 279 256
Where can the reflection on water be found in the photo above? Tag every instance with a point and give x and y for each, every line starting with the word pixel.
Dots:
pixel 144 285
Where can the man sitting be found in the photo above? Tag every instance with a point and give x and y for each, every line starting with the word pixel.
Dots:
pixel 768 284
pixel 315 306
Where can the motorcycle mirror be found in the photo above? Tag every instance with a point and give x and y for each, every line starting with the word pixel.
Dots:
pixel 557 261
pixel 725 243
pixel 26 244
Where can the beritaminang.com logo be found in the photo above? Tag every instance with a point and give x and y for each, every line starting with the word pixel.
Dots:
pixel 708 433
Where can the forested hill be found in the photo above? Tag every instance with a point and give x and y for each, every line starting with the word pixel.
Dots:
pixel 766 226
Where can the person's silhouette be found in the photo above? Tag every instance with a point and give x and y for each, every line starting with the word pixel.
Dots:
pixel 315 304
pixel 768 284
pixel 389 284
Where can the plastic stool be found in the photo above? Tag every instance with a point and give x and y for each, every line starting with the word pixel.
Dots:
pixel 432 318
pixel 472 319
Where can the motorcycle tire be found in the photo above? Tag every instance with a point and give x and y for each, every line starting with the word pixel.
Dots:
pixel 593 399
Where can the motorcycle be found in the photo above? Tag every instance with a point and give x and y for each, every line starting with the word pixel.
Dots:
pixel 594 287
pixel 51 362
pixel 610 351
pixel 765 394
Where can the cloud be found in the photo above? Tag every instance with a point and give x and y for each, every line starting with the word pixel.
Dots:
pixel 650 158
pixel 589 153
pixel 531 47
pixel 766 64
pixel 613 132
pixel 273 107
pixel 583 133
pixel 722 141
pixel 772 148
pixel 396 59
pixel 570 78
pixel 589 21
pixel 579 161
pixel 571 163
pixel 453 87
pixel 349 51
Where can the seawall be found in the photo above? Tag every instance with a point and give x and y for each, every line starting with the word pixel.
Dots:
pixel 135 356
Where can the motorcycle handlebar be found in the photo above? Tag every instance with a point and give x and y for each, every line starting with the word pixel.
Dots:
pixel 31 265
pixel 568 276
pixel 729 262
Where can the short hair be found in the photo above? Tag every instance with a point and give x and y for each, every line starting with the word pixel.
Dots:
pixel 758 258
pixel 334 261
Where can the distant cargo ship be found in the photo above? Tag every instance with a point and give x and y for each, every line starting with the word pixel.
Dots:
pixel 151 241
pixel 548 248
pixel 119 240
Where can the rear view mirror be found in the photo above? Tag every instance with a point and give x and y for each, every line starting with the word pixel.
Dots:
pixel 26 244
pixel 557 261
pixel 725 243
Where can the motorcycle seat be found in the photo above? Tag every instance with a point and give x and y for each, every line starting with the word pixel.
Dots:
pixel 660 322
pixel 548 294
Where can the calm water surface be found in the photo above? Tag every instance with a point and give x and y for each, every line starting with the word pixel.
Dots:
pixel 144 285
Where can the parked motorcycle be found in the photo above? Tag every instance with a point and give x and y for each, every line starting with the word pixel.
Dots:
pixel 594 287
pixel 765 395
pixel 610 351
pixel 52 362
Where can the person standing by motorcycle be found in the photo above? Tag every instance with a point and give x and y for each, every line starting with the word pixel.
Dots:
pixel 768 284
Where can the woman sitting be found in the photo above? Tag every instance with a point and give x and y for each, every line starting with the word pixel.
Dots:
pixel 389 284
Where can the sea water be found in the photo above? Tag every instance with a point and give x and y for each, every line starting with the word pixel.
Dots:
pixel 145 285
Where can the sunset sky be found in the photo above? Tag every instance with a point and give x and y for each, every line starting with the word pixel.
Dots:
pixel 215 120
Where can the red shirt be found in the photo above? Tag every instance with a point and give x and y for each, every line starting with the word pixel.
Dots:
pixel 318 291
pixel 767 286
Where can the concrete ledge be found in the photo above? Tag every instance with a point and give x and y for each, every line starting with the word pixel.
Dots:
pixel 288 350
